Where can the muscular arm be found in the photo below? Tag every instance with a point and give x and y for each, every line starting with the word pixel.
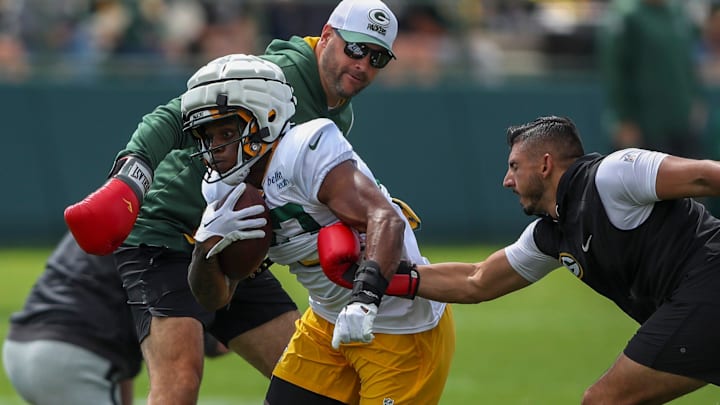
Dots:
pixel 679 177
pixel 469 283
pixel 356 200
pixel 207 282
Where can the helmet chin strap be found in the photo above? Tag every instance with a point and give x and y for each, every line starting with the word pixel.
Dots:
pixel 240 171
pixel 240 175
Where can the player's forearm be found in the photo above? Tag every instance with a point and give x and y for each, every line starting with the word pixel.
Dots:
pixel 448 282
pixel 384 242
pixel 211 288
pixel 469 283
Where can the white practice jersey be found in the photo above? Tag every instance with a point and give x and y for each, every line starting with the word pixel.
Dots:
pixel 293 178
pixel 625 182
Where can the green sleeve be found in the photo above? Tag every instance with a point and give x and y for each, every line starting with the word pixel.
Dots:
pixel 158 133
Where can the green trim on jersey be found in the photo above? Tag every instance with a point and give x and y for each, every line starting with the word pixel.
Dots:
pixel 293 212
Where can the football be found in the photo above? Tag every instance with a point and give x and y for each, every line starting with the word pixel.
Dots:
pixel 243 257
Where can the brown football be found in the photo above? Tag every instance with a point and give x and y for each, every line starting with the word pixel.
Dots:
pixel 243 257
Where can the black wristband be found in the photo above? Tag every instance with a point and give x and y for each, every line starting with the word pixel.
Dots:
pixel 135 172
pixel 369 285
pixel 413 278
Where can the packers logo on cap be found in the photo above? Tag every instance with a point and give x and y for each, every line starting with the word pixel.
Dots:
pixel 379 21
pixel 379 16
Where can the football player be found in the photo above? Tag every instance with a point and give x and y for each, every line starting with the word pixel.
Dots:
pixel 350 345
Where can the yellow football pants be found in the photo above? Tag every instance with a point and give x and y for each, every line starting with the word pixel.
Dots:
pixel 392 369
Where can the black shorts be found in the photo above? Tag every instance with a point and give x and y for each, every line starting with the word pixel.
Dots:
pixel 155 280
pixel 682 336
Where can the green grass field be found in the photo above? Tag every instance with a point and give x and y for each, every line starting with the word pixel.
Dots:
pixel 542 345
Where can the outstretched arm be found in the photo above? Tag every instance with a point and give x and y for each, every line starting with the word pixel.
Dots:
pixel 679 177
pixel 469 283
pixel 339 251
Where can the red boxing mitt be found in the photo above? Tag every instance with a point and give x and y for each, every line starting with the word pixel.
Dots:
pixel 339 252
pixel 103 219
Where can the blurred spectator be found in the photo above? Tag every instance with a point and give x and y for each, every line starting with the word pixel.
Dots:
pixel 231 27
pixel 653 86
pixel 13 59
pixel 485 57
pixel 484 40
pixel 709 52
pixel 568 33
pixel 423 47
pixel 285 18
pixel 90 39
pixel 13 55
pixel 709 59
pixel 96 38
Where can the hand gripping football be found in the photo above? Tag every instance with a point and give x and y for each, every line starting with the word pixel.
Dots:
pixel 243 257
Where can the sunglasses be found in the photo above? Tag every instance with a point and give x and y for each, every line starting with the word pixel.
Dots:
pixel 378 59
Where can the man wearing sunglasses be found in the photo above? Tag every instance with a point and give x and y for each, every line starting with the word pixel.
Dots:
pixel 152 204
pixel 353 46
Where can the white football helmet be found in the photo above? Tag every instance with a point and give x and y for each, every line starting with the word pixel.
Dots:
pixel 246 87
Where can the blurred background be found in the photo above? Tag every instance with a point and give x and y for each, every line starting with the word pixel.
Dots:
pixel 76 76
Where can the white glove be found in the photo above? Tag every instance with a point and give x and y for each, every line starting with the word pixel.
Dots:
pixel 354 324
pixel 230 225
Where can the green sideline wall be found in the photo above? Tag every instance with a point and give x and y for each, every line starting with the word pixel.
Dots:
pixel 441 149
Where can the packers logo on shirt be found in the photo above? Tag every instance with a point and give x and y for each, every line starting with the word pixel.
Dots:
pixel 630 156
pixel 567 260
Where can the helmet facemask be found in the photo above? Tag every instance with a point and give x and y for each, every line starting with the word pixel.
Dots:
pixel 249 143
pixel 245 87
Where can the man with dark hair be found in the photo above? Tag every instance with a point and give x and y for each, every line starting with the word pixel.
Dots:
pixel 625 224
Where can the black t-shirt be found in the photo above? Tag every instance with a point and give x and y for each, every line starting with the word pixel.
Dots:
pixel 79 299
pixel 638 269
